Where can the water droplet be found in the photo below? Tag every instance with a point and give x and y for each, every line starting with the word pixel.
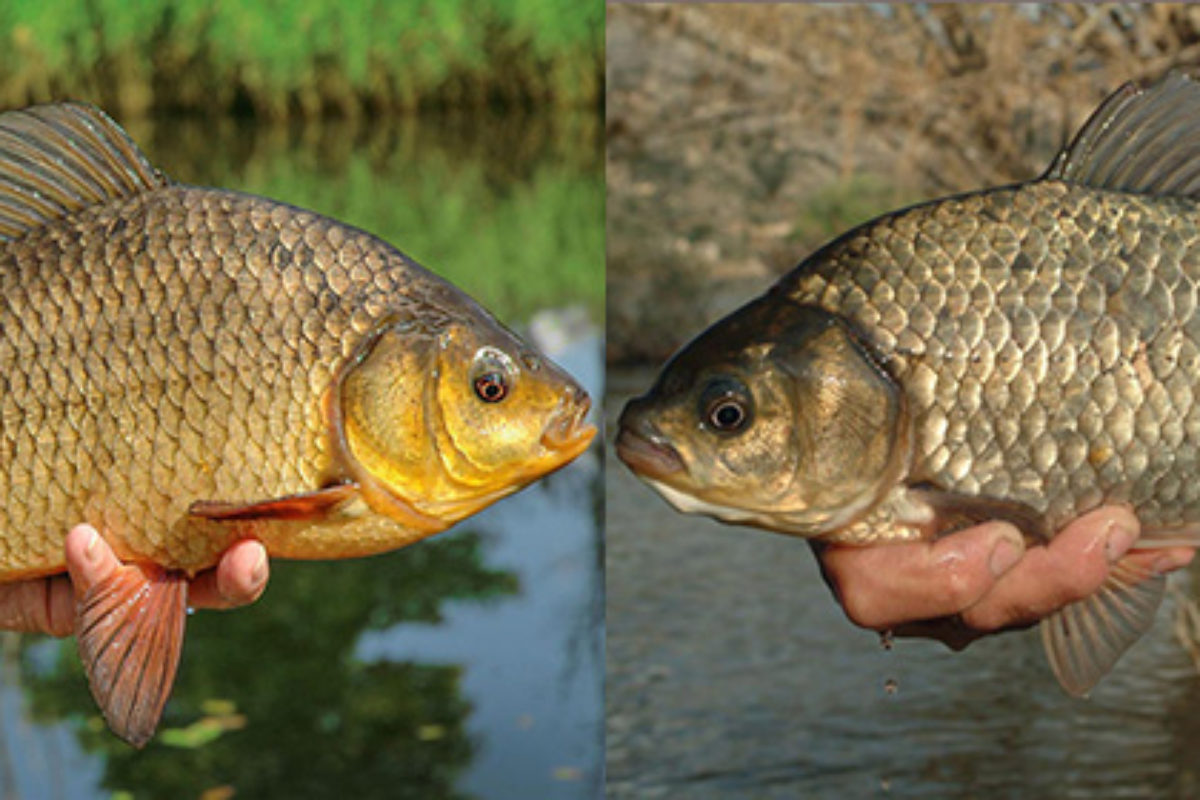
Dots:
pixel 891 686
pixel 887 639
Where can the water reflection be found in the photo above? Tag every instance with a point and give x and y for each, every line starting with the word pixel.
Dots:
pixel 375 678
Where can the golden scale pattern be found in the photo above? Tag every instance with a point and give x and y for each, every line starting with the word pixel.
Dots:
pixel 1047 338
pixel 176 348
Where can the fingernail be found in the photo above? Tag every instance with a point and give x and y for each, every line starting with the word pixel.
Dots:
pixel 259 573
pixel 91 552
pixel 1120 539
pixel 1005 555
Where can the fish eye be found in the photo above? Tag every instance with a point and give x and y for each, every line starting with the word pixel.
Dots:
pixel 726 405
pixel 492 375
pixel 491 387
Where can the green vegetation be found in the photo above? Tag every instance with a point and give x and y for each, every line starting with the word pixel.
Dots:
pixel 510 209
pixel 837 207
pixel 287 58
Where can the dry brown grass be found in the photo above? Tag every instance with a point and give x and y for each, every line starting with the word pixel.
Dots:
pixel 728 123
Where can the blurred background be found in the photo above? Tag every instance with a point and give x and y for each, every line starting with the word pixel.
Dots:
pixel 740 138
pixel 469 135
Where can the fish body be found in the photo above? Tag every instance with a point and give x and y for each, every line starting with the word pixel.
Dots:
pixel 1047 340
pixel 1024 353
pixel 186 367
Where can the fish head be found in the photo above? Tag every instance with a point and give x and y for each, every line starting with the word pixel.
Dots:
pixel 777 416
pixel 439 421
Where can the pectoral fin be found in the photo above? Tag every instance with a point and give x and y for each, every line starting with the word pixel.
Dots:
pixel 952 512
pixel 1084 640
pixel 129 631
pixel 309 505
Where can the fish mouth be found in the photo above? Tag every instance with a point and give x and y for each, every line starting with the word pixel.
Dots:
pixel 648 454
pixel 568 435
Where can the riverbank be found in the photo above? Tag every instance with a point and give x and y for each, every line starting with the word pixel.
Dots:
pixel 297 59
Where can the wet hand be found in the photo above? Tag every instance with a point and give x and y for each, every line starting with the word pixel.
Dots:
pixel 984 579
pixel 47 605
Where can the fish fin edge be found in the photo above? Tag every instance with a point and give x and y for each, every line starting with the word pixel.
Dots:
pixel 305 505
pixel 129 632
pixel 952 511
pixel 1084 640
pixel 1141 139
pixel 59 158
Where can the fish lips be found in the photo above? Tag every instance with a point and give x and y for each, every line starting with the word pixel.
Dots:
pixel 647 453
pixel 569 433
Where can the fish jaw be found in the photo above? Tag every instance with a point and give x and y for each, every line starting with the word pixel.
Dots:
pixel 649 456
pixel 568 435
pixel 656 462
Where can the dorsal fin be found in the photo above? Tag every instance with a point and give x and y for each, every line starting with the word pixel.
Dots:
pixel 57 159
pixel 1141 139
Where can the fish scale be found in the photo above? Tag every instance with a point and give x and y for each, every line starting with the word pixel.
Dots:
pixel 242 459
pixel 1106 365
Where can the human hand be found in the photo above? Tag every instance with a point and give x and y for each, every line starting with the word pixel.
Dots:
pixel 984 579
pixel 47 605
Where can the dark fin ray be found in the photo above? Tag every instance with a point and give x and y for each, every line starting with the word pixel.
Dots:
pixel 310 505
pixel 129 631
pixel 1141 139
pixel 57 159
pixel 1084 640
pixel 953 512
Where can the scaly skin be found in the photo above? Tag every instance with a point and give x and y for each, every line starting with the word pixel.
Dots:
pixel 1046 336
pixel 175 346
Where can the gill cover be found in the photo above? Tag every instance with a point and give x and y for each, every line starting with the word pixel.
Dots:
pixel 850 417
pixel 438 421
pixel 778 415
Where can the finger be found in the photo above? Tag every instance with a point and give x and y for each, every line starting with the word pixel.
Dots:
pixel 238 579
pixel 1071 567
pixel 880 587
pixel 46 605
pixel 89 558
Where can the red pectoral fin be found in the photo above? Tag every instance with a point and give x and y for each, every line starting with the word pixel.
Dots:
pixel 309 505
pixel 129 630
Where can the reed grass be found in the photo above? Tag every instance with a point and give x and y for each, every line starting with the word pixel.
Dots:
pixel 302 58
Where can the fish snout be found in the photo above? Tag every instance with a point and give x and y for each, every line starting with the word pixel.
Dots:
pixel 642 446
pixel 568 430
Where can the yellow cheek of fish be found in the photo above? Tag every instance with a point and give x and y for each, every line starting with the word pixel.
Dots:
pixel 426 448
pixel 486 444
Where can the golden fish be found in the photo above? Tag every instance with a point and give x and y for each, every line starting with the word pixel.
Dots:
pixel 1024 353
pixel 186 367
